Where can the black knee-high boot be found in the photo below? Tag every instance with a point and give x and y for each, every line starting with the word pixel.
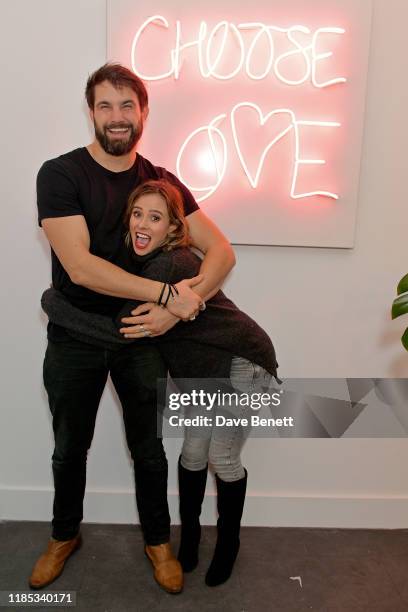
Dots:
pixel 191 492
pixel 230 503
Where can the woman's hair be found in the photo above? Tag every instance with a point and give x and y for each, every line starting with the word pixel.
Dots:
pixel 171 195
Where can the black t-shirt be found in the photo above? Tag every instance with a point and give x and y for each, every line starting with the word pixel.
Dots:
pixel 75 184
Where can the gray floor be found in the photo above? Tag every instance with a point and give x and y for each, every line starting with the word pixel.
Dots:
pixel 340 570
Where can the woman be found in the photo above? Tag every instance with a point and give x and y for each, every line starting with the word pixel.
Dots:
pixel 221 343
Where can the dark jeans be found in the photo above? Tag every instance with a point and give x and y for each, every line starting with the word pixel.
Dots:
pixel 75 374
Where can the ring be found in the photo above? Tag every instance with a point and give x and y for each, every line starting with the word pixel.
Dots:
pixel 142 329
pixel 202 306
pixel 192 317
pixel 146 332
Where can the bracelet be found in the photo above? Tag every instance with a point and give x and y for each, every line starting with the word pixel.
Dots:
pixel 170 293
pixel 159 301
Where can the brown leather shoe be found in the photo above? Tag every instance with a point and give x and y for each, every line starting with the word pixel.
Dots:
pixel 51 563
pixel 167 570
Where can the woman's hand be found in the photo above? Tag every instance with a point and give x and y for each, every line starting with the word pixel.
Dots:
pixel 148 320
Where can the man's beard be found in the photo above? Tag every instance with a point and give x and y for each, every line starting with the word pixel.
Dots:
pixel 119 146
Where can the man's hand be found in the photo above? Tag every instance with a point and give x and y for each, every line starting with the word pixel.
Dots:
pixel 148 320
pixel 186 304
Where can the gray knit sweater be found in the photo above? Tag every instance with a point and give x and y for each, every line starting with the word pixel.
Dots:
pixel 197 349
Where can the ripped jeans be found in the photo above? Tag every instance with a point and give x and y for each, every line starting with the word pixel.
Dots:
pixel 221 446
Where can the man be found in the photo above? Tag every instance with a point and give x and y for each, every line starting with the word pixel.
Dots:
pixel 81 199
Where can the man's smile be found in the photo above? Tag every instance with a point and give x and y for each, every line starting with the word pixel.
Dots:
pixel 118 130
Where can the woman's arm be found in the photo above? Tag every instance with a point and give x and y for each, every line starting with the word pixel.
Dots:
pixel 86 326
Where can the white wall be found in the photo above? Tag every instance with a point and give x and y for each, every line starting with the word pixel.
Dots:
pixel 326 310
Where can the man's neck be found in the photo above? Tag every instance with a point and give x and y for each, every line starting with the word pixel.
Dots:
pixel 114 163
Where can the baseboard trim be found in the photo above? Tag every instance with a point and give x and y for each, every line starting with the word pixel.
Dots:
pixel 279 510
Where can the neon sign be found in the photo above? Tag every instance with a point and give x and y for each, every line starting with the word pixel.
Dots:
pixel 208 65
pixel 275 64
pixel 211 47
pixel 211 130
pixel 257 107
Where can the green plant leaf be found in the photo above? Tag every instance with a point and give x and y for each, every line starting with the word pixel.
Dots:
pixel 403 285
pixel 400 306
pixel 404 339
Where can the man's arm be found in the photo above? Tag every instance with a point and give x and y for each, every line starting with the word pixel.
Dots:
pixel 69 239
pixel 206 237
pixel 219 256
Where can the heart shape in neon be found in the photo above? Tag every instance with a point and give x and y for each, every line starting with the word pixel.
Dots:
pixel 263 119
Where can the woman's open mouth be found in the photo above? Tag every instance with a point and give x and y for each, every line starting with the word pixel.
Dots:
pixel 141 240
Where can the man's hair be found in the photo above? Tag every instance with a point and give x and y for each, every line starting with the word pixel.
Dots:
pixel 171 195
pixel 118 76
